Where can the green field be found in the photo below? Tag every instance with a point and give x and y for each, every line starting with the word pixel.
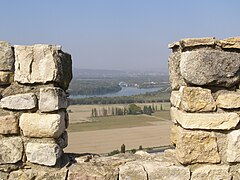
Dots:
pixel 114 122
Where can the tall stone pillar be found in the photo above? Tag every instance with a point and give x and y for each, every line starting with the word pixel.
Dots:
pixel 205 79
pixel 33 117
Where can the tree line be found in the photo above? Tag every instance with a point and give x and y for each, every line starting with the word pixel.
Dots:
pixel 131 109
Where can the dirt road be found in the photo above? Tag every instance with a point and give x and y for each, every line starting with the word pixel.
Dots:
pixel 103 141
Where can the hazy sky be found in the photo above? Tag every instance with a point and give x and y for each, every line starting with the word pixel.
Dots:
pixel 117 34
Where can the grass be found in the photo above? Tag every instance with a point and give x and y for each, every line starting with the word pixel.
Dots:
pixel 114 122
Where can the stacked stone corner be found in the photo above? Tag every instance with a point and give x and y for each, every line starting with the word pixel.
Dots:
pixel 205 102
pixel 33 116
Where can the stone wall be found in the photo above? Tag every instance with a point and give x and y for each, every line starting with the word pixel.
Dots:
pixel 33 117
pixel 205 79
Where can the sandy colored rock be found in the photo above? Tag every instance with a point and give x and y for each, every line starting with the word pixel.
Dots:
pixel 9 125
pixel 191 42
pixel 42 125
pixel 39 173
pixel 6 77
pixel 11 150
pixel 174 134
pixel 210 67
pixel 230 43
pixel 233 146
pixel 196 147
pixel 92 171
pixel 175 77
pixel 43 153
pixel 132 170
pixel 52 99
pixel 4 175
pixel 213 172
pixel 19 101
pixel 196 99
pixel 216 121
pixel 175 98
pixel 228 100
pixel 41 64
pixel 6 56
pixel 160 171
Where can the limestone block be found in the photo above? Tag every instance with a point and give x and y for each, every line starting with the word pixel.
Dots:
pixel 158 170
pixel 196 147
pixel 230 43
pixel 42 125
pixel 39 173
pixel 6 77
pixel 43 153
pixel 216 121
pixel 8 125
pixel 4 175
pixel 11 150
pixel 191 42
pixel 132 170
pixel 6 56
pixel 52 99
pixel 19 101
pixel 173 134
pixel 175 77
pixel 228 100
pixel 233 146
pixel 196 99
pixel 92 171
pixel 41 64
pixel 210 67
pixel 213 172
pixel 175 98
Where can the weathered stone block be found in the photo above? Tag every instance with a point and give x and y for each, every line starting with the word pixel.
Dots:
pixel 192 42
pixel 132 170
pixel 233 146
pixel 210 67
pixel 8 125
pixel 52 99
pixel 43 153
pixel 158 170
pixel 213 172
pixel 4 175
pixel 41 64
pixel 216 121
pixel 19 101
pixel 6 77
pixel 196 147
pixel 91 171
pixel 196 99
pixel 230 43
pixel 228 100
pixel 173 134
pixel 11 150
pixel 175 76
pixel 6 56
pixel 42 125
pixel 39 173
pixel 175 99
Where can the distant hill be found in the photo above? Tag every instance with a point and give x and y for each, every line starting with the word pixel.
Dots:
pixel 100 73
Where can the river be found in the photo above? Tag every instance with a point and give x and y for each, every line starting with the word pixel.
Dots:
pixel 125 91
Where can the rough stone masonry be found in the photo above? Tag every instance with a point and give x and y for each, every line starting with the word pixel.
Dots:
pixel 204 76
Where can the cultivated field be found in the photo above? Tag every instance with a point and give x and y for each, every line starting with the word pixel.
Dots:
pixel 105 134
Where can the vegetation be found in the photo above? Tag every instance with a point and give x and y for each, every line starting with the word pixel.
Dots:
pixel 93 87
